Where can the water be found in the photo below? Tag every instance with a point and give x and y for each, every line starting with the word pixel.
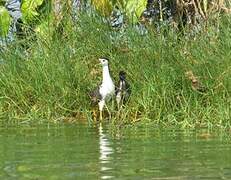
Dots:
pixel 83 152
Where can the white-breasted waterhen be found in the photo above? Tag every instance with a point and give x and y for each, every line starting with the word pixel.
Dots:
pixel 106 90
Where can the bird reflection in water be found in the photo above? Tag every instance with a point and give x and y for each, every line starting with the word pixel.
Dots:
pixel 105 154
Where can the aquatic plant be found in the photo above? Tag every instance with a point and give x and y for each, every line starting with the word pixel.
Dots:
pixel 4 21
pixel 48 78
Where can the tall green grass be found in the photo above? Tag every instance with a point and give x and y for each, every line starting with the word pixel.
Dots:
pixel 49 78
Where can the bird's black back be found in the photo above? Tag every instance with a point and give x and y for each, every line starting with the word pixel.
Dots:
pixel 123 88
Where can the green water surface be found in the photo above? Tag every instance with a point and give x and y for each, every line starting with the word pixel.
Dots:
pixel 92 152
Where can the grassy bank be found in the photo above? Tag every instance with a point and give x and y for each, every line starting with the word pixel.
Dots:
pixel 48 78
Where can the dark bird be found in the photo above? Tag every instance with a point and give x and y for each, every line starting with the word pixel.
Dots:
pixel 123 90
pixel 105 90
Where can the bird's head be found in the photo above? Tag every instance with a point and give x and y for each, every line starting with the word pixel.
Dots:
pixel 122 75
pixel 103 61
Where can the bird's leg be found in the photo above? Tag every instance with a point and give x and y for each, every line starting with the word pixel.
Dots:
pixel 100 115
pixel 113 103
pixel 109 113
pixel 118 99
pixel 94 115
pixel 101 105
pixel 118 106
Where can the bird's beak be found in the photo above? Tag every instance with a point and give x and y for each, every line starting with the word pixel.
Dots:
pixel 99 61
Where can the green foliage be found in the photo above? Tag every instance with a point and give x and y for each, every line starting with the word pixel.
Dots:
pixel 44 30
pixel 132 8
pixel 2 2
pixel 29 9
pixel 103 6
pixel 4 21
pixel 51 78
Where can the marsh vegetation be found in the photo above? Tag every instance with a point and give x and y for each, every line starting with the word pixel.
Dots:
pixel 46 74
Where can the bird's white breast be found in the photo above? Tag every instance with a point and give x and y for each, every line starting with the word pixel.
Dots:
pixel 107 89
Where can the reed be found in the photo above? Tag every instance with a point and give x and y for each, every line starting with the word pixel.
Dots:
pixel 48 79
pixel 204 8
